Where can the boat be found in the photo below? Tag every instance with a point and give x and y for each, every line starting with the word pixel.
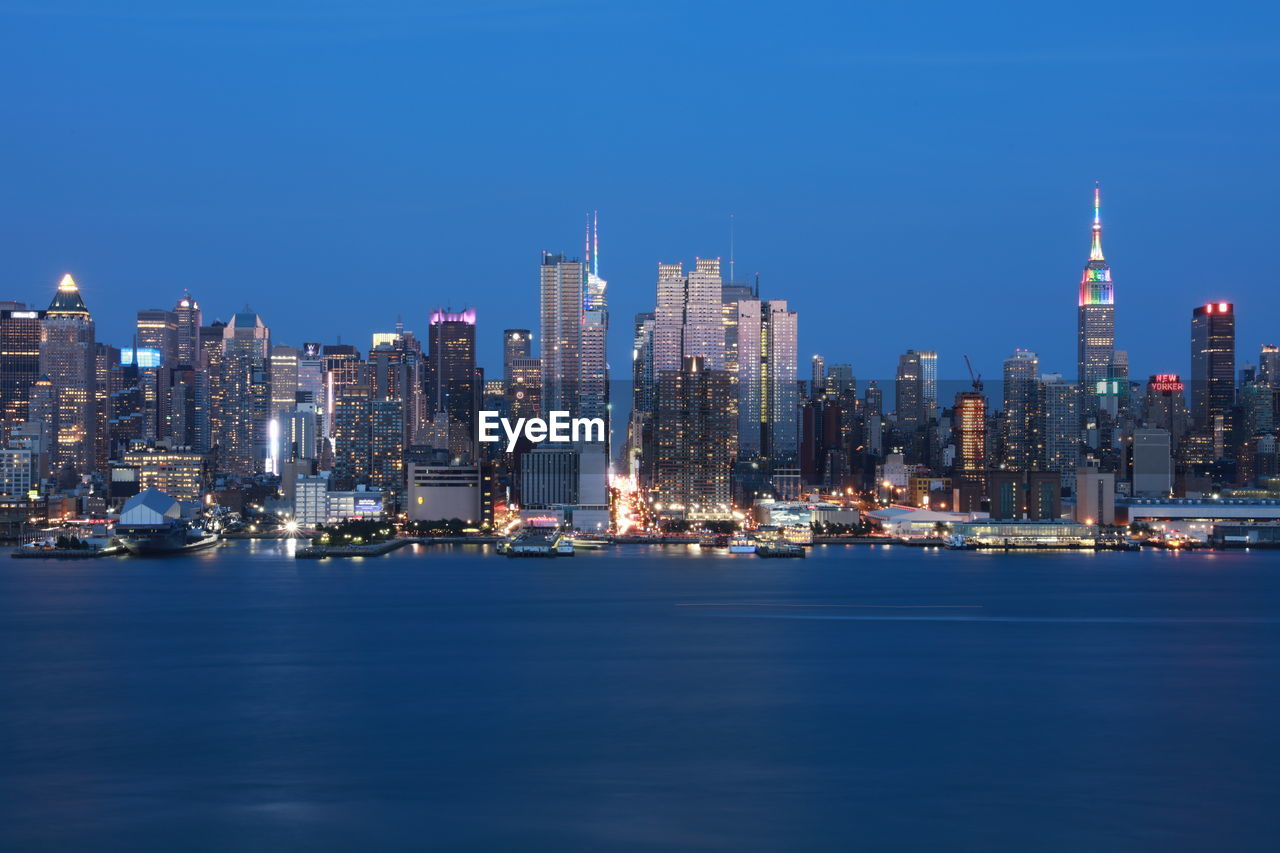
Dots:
pixel 584 544
pixel 174 538
pixel 741 544
pixel 780 549
pixel 533 543
pixel 152 522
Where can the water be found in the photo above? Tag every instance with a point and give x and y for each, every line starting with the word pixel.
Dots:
pixel 642 698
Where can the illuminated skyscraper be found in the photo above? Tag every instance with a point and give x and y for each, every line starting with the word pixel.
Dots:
pixel 594 370
pixel 1022 450
pixel 1096 343
pixel 454 384
pixel 246 407
pixel 68 359
pixel 767 390
pixel 909 391
pixel 971 439
pixel 688 319
pixel 1269 365
pixel 1059 426
pixel 284 380
pixel 516 343
pixel 817 375
pixel 563 282
pixel 693 441
pixel 1165 406
pixel 1213 364
pixel 189 318
pixel 156 332
pixel 19 361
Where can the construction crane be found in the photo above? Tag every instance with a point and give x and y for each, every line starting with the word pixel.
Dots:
pixel 975 378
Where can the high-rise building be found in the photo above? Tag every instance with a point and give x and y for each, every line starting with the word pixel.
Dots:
pixel 184 410
pixel 284 379
pixel 817 375
pixel 1022 443
pixel 593 380
pixel 694 441
pixel 454 384
pixel 351 438
pixel 1165 406
pixel 523 388
pixel 187 339
pixel 971 439
pixel 908 387
pixel 688 319
pixel 386 449
pixel 563 282
pixel 246 407
pixel 928 385
pixel 19 361
pixel 68 358
pixel 516 343
pixel 840 379
pixel 1059 426
pixel 873 400
pixel 1096 340
pixel 1269 365
pixel 767 391
pixel 1213 363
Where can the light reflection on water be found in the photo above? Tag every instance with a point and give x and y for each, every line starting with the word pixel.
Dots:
pixel 447 697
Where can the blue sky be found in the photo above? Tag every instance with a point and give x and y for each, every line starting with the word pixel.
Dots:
pixel 907 175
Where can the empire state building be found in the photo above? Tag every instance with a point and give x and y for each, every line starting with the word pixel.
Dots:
pixel 1097 318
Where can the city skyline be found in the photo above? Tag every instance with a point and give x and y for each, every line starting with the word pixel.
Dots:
pixel 489 343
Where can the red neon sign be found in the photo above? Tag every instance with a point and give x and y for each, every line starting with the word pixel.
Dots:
pixel 1166 382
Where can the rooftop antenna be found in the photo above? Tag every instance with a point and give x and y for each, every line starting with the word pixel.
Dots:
pixel 595 243
pixel 757 292
pixel 732 279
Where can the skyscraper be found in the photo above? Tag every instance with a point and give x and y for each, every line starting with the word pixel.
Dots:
pixel 246 407
pixel 1213 363
pixel 693 439
pixel 1269 365
pixel 68 359
pixel 562 292
pixel 1096 340
pixel 516 343
pixel 1060 426
pixel 284 380
pixel 453 382
pixel 594 370
pixel 688 319
pixel 19 361
pixel 1021 410
pixel 156 345
pixel 768 394
pixel 189 319
pixel 908 390
pixel 971 439
pixel 817 375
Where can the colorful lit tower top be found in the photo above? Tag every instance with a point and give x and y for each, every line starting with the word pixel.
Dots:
pixel 1096 340
pixel 1095 285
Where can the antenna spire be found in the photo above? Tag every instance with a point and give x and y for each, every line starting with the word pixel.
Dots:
pixel 595 243
pixel 1095 252
pixel 732 279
